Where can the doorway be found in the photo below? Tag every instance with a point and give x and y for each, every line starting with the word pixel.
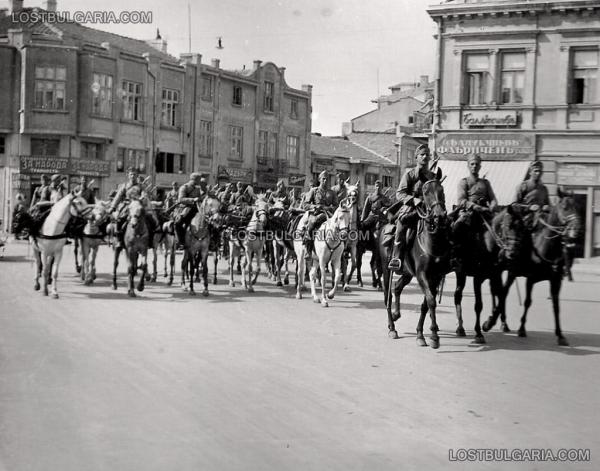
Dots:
pixel 580 201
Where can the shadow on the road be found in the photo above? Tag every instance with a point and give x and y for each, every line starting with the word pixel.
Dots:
pixel 535 341
pixel 15 259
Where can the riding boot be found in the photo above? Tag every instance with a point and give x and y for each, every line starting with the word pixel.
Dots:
pixel 180 234
pixel 397 259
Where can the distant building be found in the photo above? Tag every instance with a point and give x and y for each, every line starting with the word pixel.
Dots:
pixel 75 100
pixel 520 81
pixel 350 160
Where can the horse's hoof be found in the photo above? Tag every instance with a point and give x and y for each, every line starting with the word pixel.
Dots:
pixel 192 293
pixel 393 334
pixel 36 287
pixel 54 295
pixel 379 288
pixel 205 293
pixel 360 284
pixel 279 283
pixel 316 300
pixel 298 295
pixel 153 279
pixel 239 271
pixel 435 343
pixel 165 275
pixel 346 289
pixel 522 332
pixel 324 304
pixel 131 294
pixel 78 269
pixel 140 287
pixel 479 339
pixel 250 289
pixel 331 295
pixel 286 281
pixel 114 286
pixel 460 332
pixel 487 325
pixel 169 283
pixel 505 328
pixel 563 342
pixel 421 342
pixel 214 281
pixel 231 284
pixel 87 282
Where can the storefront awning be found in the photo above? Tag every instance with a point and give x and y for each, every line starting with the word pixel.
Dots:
pixel 504 175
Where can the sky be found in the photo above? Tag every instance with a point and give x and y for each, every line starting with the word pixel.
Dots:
pixel 349 50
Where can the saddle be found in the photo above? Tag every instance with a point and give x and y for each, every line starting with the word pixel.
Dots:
pixel 388 233
pixel 38 216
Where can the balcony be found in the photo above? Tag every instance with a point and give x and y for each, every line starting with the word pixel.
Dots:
pixel 277 166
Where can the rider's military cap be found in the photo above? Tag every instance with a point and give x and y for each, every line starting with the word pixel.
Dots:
pixel 55 177
pixel 323 174
pixel 195 176
pixel 422 149
pixel 536 164
pixel 474 157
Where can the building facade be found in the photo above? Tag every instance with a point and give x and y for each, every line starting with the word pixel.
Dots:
pixel 79 101
pixel 519 81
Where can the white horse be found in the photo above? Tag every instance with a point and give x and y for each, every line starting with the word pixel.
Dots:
pixel 254 243
pixel 329 246
pixel 352 242
pixel 91 240
pixel 301 253
pixel 49 243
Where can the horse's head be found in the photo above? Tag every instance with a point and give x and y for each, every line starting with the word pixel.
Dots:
pixel 278 205
pixel 513 233
pixel 135 211
pixel 340 221
pixel 565 215
pixel 211 205
pixel 435 205
pixel 261 211
pixel 352 193
pixel 78 205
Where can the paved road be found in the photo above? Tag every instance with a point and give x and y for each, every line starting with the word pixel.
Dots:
pixel 238 381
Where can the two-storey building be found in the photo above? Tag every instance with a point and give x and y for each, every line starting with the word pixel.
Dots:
pixel 518 81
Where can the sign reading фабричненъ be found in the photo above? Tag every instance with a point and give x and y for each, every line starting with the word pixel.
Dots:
pixel 489 146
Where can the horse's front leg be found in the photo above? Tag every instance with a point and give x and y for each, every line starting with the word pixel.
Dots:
pixel 477 282
pixel 258 257
pixel 84 255
pixel 144 256
pixel 430 291
pixel 461 280
pixel 277 262
pixel 131 271
pixel 46 272
pixel 205 271
pixel 215 263
pixel 76 255
pixel 244 266
pixel 231 264
pixel 323 267
pixel 116 253
pixel 337 270
pixel 555 284
pixel 191 261
pixel 313 281
pixel 38 269
pixel 92 265
pixel 57 259
pixel 352 266
pixel 154 264
pixel 359 255
pixel 300 269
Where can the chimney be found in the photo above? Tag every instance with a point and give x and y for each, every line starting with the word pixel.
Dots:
pixel 346 128
pixel 282 71
pixel 257 64
pixel 158 43
pixel 16 6
pixel 424 80
pixel 50 5
pixel 191 58
pixel 307 88
pixel 215 63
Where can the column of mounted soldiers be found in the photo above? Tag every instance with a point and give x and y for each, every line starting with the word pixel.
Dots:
pixel 180 204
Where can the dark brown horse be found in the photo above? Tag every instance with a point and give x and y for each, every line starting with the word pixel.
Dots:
pixel 493 248
pixel 427 259
pixel 546 262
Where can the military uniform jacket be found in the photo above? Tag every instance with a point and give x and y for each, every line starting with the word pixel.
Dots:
pixel 282 195
pixel 87 194
pixel 57 193
pixel 411 184
pixel 239 198
pixel 126 191
pixel 321 197
pixel 171 198
pixel 375 203
pixel 188 193
pixel 340 191
pixel 530 193
pixel 475 190
pixel 42 193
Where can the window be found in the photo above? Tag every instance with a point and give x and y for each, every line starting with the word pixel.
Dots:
pixel 386 181
pixel 236 135
pixel 91 150
pixel 102 95
pixel 237 95
pixel 513 77
pixel 292 150
pixel 205 138
pixel 371 178
pixel 272 149
pixel 170 107
pixel 269 94
pixel 132 101
pixel 262 143
pixel 50 88
pixel 584 74
pixel 294 108
pixel 476 78
pixel 207 88
pixel 2 145
pixel 169 163
pixel 45 147
pixel 135 158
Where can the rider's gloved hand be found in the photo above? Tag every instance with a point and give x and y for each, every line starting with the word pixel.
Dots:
pixel 417 201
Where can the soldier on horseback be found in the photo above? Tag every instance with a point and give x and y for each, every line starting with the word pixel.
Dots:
pixel 475 196
pixel 280 194
pixel 320 200
pixel 172 196
pixel 190 194
pixel 41 193
pixel 86 192
pixel 57 188
pixel 132 189
pixel 339 188
pixel 409 194
pixel 373 210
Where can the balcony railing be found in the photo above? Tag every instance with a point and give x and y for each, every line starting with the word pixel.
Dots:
pixel 279 166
